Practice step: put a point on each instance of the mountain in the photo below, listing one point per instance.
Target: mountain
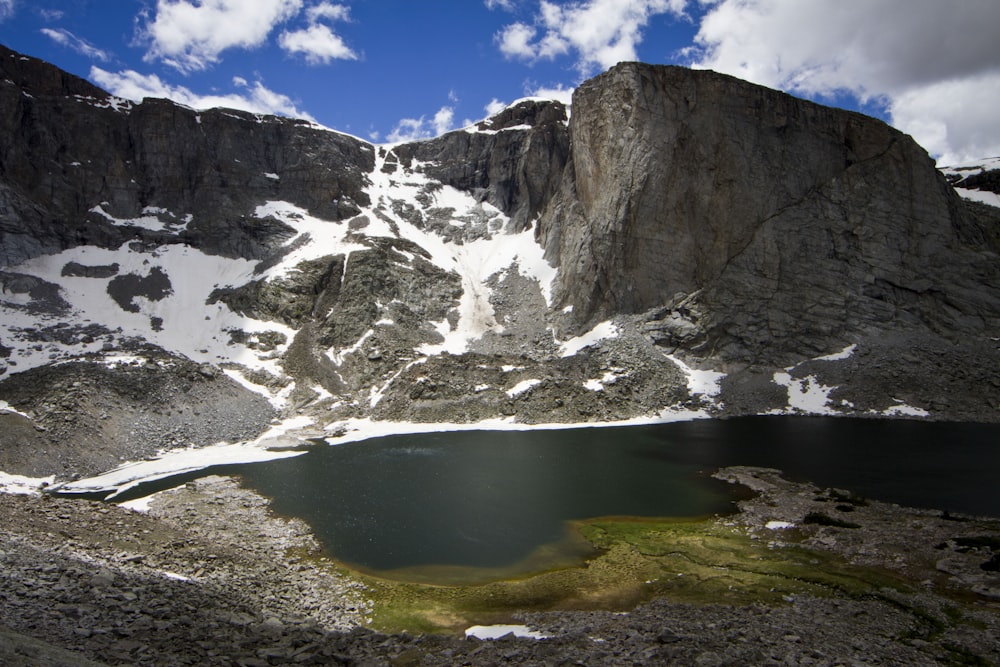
(682, 241)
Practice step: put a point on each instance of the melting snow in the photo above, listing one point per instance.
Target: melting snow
(150, 220)
(778, 525)
(183, 321)
(700, 383)
(597, 334)
(981, 196)
(806, 395)
(177, 461)
(846, 353)
(487, 632)
(903, 410)
(22, 485)
(522, 387)
(7, 407)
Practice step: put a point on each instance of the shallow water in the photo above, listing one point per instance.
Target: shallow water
(425, 506)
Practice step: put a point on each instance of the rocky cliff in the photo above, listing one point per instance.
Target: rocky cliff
(681, 242)
(787, 225)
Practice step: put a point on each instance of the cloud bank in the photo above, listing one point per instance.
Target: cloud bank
(597, 33)
(934, 66)
(255, 98)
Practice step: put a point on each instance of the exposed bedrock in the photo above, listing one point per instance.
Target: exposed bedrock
(789, 226)
(69, 145)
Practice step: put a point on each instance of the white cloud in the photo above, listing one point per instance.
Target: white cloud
(515, 41)
(559, 93)
(494, 107)
(255, 98)
(415, 129)
(506, 5)
(328, 11)
(318, 43)
(601, 33)
(71, 41)
(955, 119)
(6, 9)
(189, 36)
(935, 65)
(443, 120)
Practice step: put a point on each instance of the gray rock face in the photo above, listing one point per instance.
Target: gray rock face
(69, 144)
(517, 171)
(705, 222)
(787, 223)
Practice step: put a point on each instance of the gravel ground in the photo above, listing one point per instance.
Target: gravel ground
(208, 576)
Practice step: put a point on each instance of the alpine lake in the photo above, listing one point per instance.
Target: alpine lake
(448, 527)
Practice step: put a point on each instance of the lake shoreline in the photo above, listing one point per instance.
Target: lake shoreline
(118, 586)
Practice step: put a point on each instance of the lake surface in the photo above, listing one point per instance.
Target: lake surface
(419, 505)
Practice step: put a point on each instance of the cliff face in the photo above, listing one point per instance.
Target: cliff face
(685, 241)
(74, 160)
(765, 224)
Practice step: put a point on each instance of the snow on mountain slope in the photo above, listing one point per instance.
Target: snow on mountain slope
(978, 182)
(164, 295)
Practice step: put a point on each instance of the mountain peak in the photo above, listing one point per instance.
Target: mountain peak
(523, 113)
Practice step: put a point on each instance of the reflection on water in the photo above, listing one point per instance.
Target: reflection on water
(468, 505)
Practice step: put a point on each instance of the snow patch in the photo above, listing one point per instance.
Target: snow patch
(24, 486)
(603, 330)
(903, 410)
(149, 220)
(981, 196)
(610, 377)
(705, 384)
(522, 387)
(779, 525)
(806, 395)
(338, 356)
(6, 407)
(130, 475)
(846, 353)
(183, 321)
(488, 632)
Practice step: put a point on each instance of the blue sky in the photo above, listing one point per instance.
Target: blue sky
(401, 69)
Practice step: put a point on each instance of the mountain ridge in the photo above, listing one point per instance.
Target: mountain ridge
(682, 243)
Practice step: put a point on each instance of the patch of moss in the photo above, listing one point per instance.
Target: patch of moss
(695, 561)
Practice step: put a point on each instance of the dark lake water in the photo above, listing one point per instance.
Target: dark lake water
(496, 499)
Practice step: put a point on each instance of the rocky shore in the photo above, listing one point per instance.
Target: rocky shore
(207, 575)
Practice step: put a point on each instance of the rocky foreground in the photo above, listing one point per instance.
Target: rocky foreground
(208, 576)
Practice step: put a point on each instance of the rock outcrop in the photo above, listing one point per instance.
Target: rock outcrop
(80, 166)
(766, 226)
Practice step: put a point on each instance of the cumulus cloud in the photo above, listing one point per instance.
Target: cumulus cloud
(328, 11)
(71, 41)
(415, 129)
(189, 36)
(255, 97)
(559, 93)
(935, 66)
(317, 42)
(600, 33)
(494, 107)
